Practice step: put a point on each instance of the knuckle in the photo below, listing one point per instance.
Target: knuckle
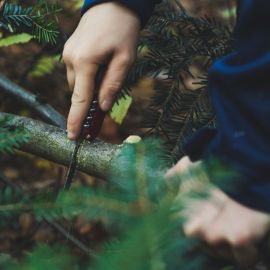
(78, 98)
(67, 55)
(192, 228)
(126, 60)
(240, 239)
(112, 88)
(213, 238)
(79, 59)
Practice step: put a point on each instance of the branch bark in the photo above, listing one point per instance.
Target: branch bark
(44, 110)
(51, 143)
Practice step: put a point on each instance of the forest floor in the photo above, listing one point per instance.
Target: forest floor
(33, 174)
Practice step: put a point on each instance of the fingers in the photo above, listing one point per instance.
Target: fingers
(180, 167)
(113, 80)
(222, 222)
(81, 78)
(70, 77)
(200, 221)
(238, 241)
(236, 247)
(80, 102)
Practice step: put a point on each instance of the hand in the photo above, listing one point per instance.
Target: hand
(233, 230)
(107, 34)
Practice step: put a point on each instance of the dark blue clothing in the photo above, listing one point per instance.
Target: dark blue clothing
(143, 8)
(239, 85)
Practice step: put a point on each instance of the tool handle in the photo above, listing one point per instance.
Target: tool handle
(95, 117)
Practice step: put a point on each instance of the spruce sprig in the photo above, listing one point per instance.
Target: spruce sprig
(173, 45)
(40, 20)
(10, 137)
(141, 208)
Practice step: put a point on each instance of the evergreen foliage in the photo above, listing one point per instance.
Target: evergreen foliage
(10, 137)
(42, 258)
(9, 196)
(40, 20)
(141, 208)
(172, 46)
(45, 65)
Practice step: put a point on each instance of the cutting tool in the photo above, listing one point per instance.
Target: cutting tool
(90, 129)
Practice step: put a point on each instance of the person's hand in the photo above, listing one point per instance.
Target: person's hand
(107, 34)
(233, 230)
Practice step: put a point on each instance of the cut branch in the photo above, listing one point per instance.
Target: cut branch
(50, 142)
(44, 110)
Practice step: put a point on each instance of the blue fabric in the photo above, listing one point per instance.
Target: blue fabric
(143, 8)
(239, 85)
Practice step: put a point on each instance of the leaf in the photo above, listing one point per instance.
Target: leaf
(77, 4)
(120, 109)
(41, 19)
(227, 13)
(45, 66)
(15, 39)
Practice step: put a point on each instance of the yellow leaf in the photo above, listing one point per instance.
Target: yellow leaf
(15, 39)
(120, 109)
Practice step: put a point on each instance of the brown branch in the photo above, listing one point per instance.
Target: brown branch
(46, 111)
(50, 142)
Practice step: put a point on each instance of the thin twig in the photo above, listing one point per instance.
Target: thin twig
(69, 237)
(44, 110)
(58, 227)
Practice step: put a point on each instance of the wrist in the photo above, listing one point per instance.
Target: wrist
(117, 8)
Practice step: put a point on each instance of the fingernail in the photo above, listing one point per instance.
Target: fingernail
(106, 105)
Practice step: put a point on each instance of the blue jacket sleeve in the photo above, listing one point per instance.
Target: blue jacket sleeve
(143, 8)
(239, 85)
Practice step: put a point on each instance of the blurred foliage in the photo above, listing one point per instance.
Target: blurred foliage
(15, 39)
(10, 137)
(45, 65)
(40, 20)
(140, 209)
(42, 258)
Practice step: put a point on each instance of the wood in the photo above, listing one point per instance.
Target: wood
(51, 143)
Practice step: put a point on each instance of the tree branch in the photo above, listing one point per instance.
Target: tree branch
(44, 110)
(51, 143)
